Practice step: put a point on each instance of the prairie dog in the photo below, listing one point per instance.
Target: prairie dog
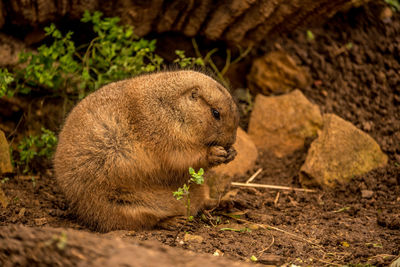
(126, 147)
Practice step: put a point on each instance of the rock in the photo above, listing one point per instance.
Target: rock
(340, 152)
(40, 221)
(276, 72)
(193, 238)
(281, 124)
(245, 160)
(367, 193)
(5, 159)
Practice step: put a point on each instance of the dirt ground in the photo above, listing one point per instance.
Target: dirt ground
(353, 224)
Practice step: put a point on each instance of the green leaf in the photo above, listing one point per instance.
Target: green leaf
(200, 172)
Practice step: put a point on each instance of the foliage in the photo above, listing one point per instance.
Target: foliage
(187, 62)
(48, 69)
(62, 68)
(35, 148)
(5, 79)
(116, 53)
(196, 178)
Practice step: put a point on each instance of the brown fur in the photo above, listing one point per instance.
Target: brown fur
(125, 148)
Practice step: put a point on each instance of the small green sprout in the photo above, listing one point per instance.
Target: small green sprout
(310, 35)
(342, 209)
(184, 191)
(349, 45)
(33, 181)
(59, 240)
(253, 258)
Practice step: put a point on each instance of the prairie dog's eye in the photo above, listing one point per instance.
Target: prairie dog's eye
(215, 113)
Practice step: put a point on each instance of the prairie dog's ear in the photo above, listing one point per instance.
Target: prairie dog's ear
(194, 93)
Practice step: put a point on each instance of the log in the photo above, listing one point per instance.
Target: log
(243, 22)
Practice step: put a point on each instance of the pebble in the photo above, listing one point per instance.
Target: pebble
(367, 193)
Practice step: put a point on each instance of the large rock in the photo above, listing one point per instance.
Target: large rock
(340, 152)
(281, 124)
(276, 72)
(245, 160)
(5, 160)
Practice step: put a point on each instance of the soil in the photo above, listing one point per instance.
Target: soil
(353, 224)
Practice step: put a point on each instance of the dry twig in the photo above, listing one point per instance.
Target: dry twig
(273, 187)
(254, 176)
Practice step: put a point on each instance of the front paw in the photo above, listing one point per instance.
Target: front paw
(231, 155)
(216, 155)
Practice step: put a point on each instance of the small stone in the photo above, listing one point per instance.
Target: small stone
(193, 238)
(5, 159)
(367, 125)
(218, 253)
(276, 72)
(340, 152)
(281, 124)
(40, 221)
(367, 194)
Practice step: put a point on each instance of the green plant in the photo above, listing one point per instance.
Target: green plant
(310, 35)
(5, 79)
(36, 147)
(187, 62)
(64, 69)
(196, 178)
(116, 53)
(59, 240)
(51, 68)
(4, 180)
(253, 258)
(33, 181)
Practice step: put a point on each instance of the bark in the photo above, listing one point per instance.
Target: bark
(244, 22)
